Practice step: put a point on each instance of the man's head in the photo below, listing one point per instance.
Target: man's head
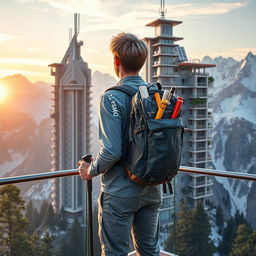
(129, 53)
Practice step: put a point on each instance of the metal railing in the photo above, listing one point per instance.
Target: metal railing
(65, 173)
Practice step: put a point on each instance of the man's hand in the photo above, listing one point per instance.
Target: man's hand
(84, 169)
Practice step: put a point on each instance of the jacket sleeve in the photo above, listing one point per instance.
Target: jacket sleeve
(109, 134)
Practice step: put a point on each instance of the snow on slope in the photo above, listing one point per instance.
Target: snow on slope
(40, 191)
(224, 73)
(248, 66)
(235, 106)
(7, 166)
(235, 124)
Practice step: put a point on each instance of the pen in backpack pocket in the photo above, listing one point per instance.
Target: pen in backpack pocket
(177, 107)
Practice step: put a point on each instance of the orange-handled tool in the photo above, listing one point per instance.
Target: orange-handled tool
(158, 99)
(161, 109)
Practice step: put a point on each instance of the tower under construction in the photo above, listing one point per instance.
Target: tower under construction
(168, 64)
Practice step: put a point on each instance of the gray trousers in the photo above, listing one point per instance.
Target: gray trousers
(119, 217)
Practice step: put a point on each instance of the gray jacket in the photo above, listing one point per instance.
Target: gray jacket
(114, 115)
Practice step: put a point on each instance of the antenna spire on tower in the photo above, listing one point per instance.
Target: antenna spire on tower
(162, 9)
(76, 23)
(70, 34)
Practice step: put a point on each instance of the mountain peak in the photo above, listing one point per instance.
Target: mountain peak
(250, 57)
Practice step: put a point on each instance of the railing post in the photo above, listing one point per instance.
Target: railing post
(89, 220)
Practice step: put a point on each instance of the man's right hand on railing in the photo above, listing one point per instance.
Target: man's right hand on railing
(84, 170)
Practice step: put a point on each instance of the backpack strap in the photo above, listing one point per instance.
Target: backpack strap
(128, 91)
(125, 89)
(169, 184)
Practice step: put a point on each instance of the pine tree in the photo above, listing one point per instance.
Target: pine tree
(33, 216)
(228, 237)
(219, 219)
(61, 221)
(50, 218)
(46, 246)
(43, 212)
(230, 233)
(170, 242)
(74, 242)
(14, 239)
(183, 236)
(252, 244)
(241, 242)
(201, 227)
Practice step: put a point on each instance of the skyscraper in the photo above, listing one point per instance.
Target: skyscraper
(71, 124)
(168, 64)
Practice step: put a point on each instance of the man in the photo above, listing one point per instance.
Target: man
(124, 206)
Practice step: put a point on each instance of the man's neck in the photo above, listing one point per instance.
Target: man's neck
(123, 75)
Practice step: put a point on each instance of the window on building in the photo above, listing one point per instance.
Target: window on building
(166, 202)
(165, 216)
(166, 49)
(166, 29)
(166, 41)
(201, 92)
(167, 70)
(201, 165)
(201, 124)
(166, 81)
(201, 113)
(166, 60)
(201, 81)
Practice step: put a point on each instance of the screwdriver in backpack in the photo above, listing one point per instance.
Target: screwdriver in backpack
(165, 101)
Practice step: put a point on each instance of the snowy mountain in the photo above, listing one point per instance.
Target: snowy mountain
(234, 135)
(24, 128)
(26, 97)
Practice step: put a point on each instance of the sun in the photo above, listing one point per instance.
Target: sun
(3, 92)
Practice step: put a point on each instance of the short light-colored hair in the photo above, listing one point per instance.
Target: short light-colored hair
(131, 51)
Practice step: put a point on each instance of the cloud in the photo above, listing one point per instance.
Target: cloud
(135, 19)
(8, 72)
(194, 10)
(91, 50)
(6, 37)
(93, 8)
(97, 10)
(98, 66)
(26, 61)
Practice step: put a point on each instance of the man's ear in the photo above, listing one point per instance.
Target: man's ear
(117, 60)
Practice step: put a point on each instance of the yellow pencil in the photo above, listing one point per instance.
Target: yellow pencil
(161, 110)
(158, 99)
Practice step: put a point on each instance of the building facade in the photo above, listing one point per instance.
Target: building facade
(167, 63)
(193, 85)
(71, 124)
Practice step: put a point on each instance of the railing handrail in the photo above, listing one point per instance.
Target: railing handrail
(72, 172)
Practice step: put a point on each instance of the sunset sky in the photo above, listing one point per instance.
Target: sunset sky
(34, 33)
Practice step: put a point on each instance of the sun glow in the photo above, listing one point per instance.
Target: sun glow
(3, 92)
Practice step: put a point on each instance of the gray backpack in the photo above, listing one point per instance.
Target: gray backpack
(153, 153)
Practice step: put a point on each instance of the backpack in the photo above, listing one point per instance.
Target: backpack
(153, 153)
